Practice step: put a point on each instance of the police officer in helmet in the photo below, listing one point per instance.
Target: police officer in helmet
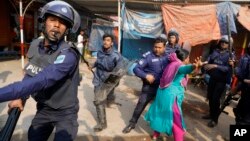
(219, 68)
(51, 77)
(242, 112)
(173, 39)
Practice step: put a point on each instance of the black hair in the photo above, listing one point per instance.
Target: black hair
(182, 54)
(160, 40)
(82, 30)
(107, 35)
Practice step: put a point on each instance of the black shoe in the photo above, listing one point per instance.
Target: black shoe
(211, 124)
(206, 117)
(100, 127)
(128, 128)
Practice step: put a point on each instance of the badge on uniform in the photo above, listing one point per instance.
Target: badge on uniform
(59, 59)
(141, 62)
(155, 60)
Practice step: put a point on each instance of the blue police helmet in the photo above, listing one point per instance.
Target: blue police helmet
(224, 38)
(173, 32)
(163, 36)
(62, 10)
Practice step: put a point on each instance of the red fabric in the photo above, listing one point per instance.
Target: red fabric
(244, 17)
(196, 24)
(156, 134)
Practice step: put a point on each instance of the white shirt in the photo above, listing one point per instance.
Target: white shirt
(79, 40)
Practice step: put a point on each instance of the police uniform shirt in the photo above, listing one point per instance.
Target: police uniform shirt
(64, 65)
(242, 69)
(170, 49)
(221, 60)
(151, 64)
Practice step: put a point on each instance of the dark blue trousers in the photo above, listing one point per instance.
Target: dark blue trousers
(46, 119)
(242, 112)
(147, 94)
(215, 90)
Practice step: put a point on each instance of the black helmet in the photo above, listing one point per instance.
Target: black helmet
(173, 32)
(62, 10)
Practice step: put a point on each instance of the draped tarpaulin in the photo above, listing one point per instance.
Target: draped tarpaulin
(244, 17)
(142, 24)
(139, 31)
(196, 24)
(224, 9)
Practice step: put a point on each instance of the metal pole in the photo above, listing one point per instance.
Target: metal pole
(119, 26)
(229, 35)
(21, 27)
(21, 32)
(27, 6)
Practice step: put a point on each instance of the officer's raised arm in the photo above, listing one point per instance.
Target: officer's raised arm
(52, 76)
(63, 66)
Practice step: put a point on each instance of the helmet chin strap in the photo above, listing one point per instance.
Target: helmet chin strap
(224, 49)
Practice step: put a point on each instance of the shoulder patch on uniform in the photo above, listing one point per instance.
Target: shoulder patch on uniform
(141, 62)
(59, 59)
(116, 51)
(65, 49)
(146, 54)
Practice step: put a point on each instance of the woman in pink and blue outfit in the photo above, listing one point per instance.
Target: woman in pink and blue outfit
(165, 113)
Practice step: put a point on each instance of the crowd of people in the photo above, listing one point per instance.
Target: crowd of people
(52, 79)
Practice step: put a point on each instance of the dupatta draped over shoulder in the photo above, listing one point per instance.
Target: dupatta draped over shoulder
(170, 72)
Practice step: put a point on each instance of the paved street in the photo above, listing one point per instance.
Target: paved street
(118, 116)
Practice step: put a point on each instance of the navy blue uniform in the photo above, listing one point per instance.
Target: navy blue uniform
(105, 65)
(242, 112)
(218, 80)
(43, 80)
(149, 64)
(241, 70)
(170, 49)
(109, 68)
(47, 79)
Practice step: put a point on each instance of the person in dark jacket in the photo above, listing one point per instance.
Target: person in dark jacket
(52, 77)
(149, 69)
(109, 70)
(173, 40)
(242, 112)
(219, 68)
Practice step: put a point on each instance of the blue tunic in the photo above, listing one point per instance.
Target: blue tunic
(160, 113)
